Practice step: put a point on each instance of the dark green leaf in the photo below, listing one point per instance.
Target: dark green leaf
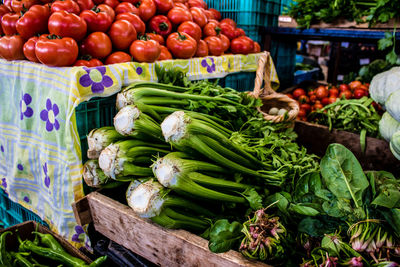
(303, 210)
(254, 199)
(392, 57)
(224, 236)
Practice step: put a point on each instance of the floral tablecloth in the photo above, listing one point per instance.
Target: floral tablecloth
(40, 152)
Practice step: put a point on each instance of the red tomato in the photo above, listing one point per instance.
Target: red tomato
(34, 21)
(56, 51)
(363, 87)
(359, 93)
(214, 45)
(4, 10)
(229, 31)
(94, 62)
(96, 20)
(19, 5)
(181, 5)
(29, 49)
(229, 21)
(325, 101)
(202, 49)
(343, 87)
(109, 10)
(197, 3)
(226, 43)
(161, 25)
(354, 84)
(139, 25)
(85, 4)
(303, 99)
(67, 5)
(346, 94)
(9, 23)
(289, 95)
(242, 45)
(182, 45)
(97, 45)
(145, 50)
(165, 54)
(211, 29)
(216, 14)
(67, 24)
(318, 106)
(11, 47)
(305, 107)
(192, 29)
(332, 99)
(198, 16)
(122, 34)
(321, 92)
(333, 92)
(97, 2)
(126, 7)
(311, 92)
(257, 48)
(111, 3)
(210, 15)
(147, 9)
(118, 57)
(179, 15)
(163, 6)
(302, 113)
(313, 98)
(240, 32)
(156, 37)
(298, 92)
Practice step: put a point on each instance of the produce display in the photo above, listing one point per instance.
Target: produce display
(91, 33)
(44, 250)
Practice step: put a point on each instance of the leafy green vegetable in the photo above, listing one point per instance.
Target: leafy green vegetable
(224, 236)
(254, 199)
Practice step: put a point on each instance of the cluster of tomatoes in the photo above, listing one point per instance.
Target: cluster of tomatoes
(110, 31)
(317, 98)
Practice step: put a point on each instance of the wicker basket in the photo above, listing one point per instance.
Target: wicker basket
(269, 97)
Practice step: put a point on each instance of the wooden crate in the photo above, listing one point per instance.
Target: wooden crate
(162, 246)
(25, 230)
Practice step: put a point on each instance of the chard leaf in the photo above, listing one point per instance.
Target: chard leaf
(224, 236)
(254, 199)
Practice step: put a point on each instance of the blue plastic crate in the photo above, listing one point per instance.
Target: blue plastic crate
(283, 54)
(13, 213)
(285, 5)
(303, 75)
(243, 81)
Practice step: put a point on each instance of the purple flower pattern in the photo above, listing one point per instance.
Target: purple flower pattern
(78, 232)
(26, 199)
(20, 167)
(210, 67)
(96, 79)
(2, 148)
(3, 182)
(139, 70)
(25, 110)
(46, 176)
(49, 115)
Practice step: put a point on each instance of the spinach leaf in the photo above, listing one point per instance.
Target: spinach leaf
(343, 175)
(385, 188)
(303, 209)
(282, 201)
(254, 199)
(224, 236)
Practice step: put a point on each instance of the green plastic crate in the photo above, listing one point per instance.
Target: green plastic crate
(13, 213)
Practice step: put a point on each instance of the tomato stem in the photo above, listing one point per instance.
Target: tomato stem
(163, 26)
(181, 37)
(218, 30)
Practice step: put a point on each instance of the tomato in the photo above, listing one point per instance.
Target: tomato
(239, 32)
(226, 43)
(332, 99)
(354, 84)
(229, 21)
(161, 25)
(198, 16)
(139, 25)
(311, 92)
(303, 99)
(109, 10)
(313, 98)
(242, 45)
(11, 47)
(67, 5)
(182, 45)
(289, 95)
(363, 87)
(298, 92)
(179, 15)
(359, 93)
(345, 94)
(211, 29)
(19, 5)
(302, 113)
(376, 106)
(333, 92)
(118, 57)
(98, 2)
(156, 37)
(343, 87)
(181, 5)
(29, 49)
(111, 3)
(214, 45)
(97, 45)
(67, 24)
(192, 29)
(202, 49)
(147, 9)
(257, 48)
(163, 6)
(210, 15)
(4, 10)
(317, 106)
(165, 54)
(56, 51)
(197, 3)
(122, 33)
(126, 7)
(34, 21)
(229, 31)
(321, 92)
(216, 14)
(9, 23)
(305, 107)
(93, 62)
(96, 20)
(325, 101)
(145, 50)
(85, 4)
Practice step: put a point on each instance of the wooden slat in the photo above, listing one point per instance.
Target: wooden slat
(82, 211)
(163, 247)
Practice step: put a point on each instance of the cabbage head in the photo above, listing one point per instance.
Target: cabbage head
(388, 126)
(395, 144)
(393, 105)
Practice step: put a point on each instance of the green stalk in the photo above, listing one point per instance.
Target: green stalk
(163, 101)
(157, 86)
(183, 203)
(212, 182)
(167, 222)
(182, 217)
(100, 138)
